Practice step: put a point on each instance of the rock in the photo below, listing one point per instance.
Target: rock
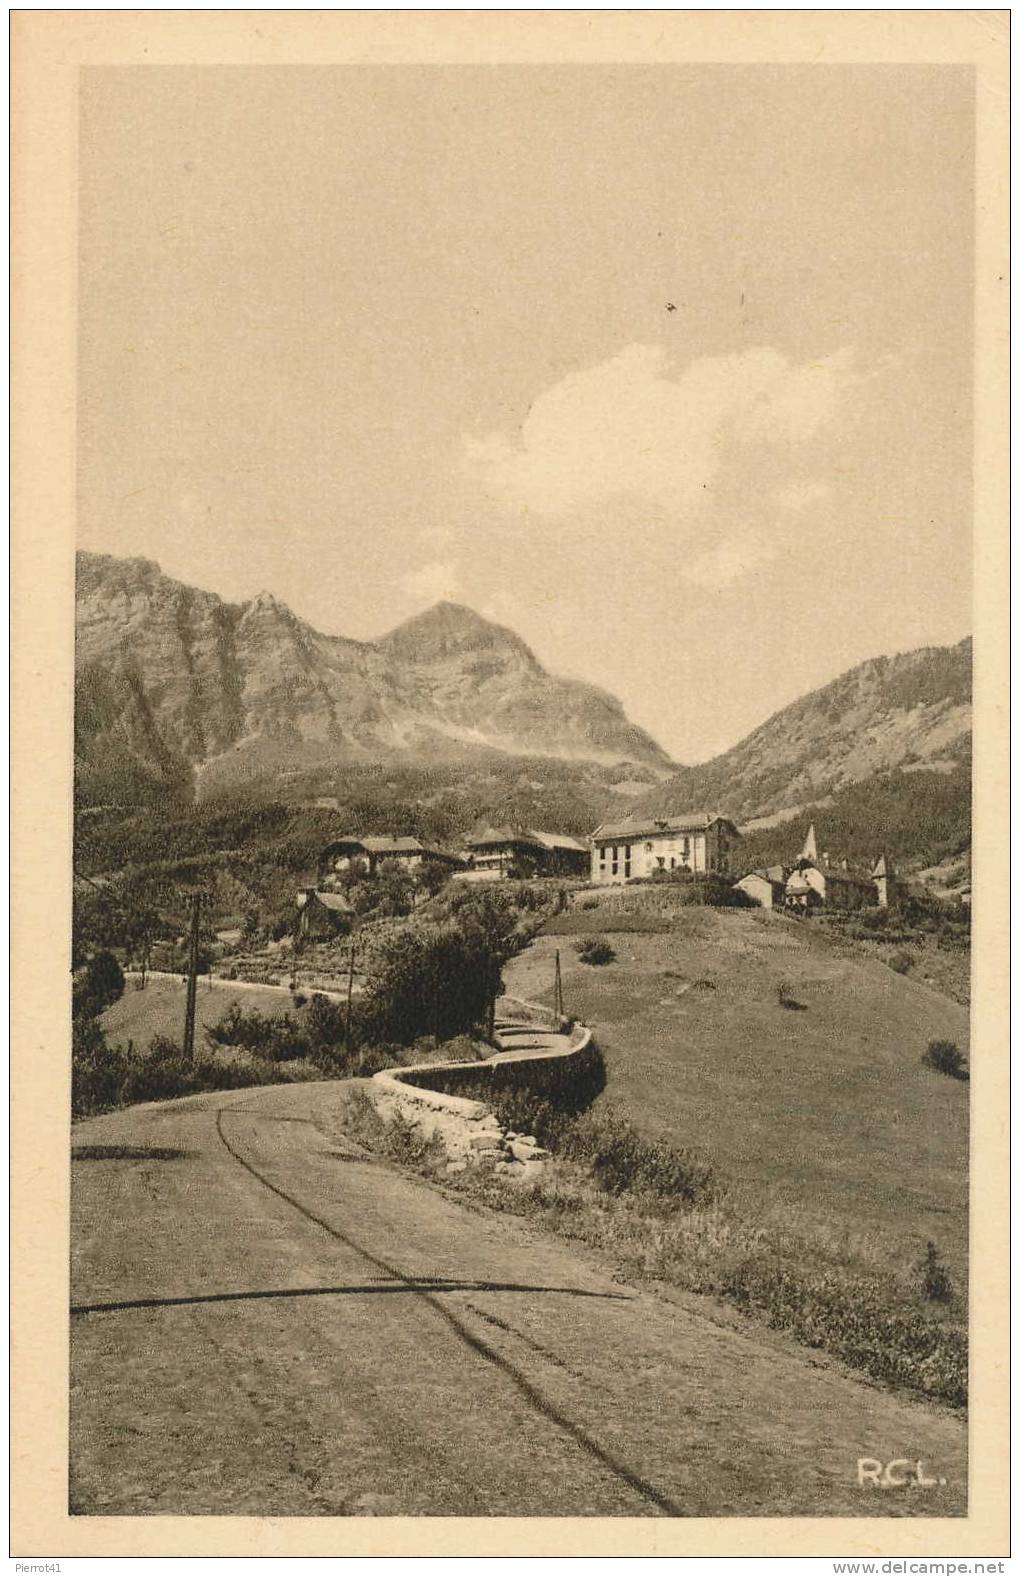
(528, 1150)
(486, 1141)
(521, 1171)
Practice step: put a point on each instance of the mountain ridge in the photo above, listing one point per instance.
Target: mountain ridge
(177, 684)
(905, 712)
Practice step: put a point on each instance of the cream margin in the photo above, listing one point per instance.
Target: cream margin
(48, 48)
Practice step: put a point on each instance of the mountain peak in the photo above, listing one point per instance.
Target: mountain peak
(447, 628)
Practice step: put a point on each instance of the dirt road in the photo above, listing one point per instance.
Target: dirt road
(264, 1321)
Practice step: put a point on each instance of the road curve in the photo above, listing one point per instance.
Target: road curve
(265, 1321)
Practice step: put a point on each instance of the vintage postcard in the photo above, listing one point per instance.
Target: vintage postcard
(510, 627)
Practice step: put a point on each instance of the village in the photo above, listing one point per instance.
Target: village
(653, 849)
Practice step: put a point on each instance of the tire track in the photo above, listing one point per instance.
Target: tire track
(531, 1394)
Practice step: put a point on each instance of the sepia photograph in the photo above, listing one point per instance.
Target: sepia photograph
(519, 1035)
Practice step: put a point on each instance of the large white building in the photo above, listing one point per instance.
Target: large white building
(700, 842)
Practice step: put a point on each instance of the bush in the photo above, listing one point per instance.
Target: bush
(936, 1282)
(97, 1069)
(277, 1038)
(851, 1318)
(100, 984)
(901, 962)
(945, 1056)
(165, 1074)
(595, 950)
(621, 1161)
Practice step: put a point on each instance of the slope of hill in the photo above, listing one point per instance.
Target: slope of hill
(824, 1115)
(910, 712)
(175, 685)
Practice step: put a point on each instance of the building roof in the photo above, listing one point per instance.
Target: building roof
(764, 876)
(333, 901)
(662, 826)
(384, 846)
(559, 840)
(511, 835)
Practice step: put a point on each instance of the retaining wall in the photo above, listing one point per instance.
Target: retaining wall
(426, 1096)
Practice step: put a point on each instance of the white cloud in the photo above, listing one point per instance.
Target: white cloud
(801, 495)
(633, 427)
(733, 557)
(435, 582)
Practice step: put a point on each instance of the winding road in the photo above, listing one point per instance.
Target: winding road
(266, 1320)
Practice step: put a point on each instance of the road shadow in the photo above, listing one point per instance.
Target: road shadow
(424, 1286)
(128, 1152)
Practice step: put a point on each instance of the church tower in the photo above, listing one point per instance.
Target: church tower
(809, 852)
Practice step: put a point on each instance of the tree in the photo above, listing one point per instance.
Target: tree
(100, 984)
(430, 878)
(437, 978)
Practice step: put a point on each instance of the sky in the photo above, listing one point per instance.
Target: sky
(667, 368)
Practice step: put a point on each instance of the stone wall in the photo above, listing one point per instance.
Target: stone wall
(427, 1096)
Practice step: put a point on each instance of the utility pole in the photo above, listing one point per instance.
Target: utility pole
(490, 1028)
(350, 996)
(189, 1006)
(558, 995)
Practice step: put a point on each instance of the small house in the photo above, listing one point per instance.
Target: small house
(371, 850)
(767, 888)
(322, 915)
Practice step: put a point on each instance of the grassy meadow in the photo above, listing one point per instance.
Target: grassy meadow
(792, 1064)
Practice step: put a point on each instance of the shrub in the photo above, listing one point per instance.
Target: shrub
(851, 1318)
(788, 1000)
(621, 1161)
(936, 1282)
(165, 1074)
(97, 1068)
(100, 984)
(595, 950)
(945, 1056)
(901, 961)
(277, 1038)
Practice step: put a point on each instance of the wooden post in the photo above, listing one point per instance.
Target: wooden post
(490, 1028)
(558, 996)
(350, 996)
(189, 1005)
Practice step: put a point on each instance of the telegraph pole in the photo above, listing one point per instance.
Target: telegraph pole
(558, 996)
(350, 996)
(189, 1006)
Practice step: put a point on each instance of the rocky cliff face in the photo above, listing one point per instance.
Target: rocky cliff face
(911, 712)
(174, 683)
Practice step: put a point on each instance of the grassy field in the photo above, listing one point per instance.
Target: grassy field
(819, 1111)
(159, 1009)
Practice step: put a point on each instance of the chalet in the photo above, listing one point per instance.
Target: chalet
(322, 915)
(767, 888)
(699, 842)
(371, 851)
(504, 851)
